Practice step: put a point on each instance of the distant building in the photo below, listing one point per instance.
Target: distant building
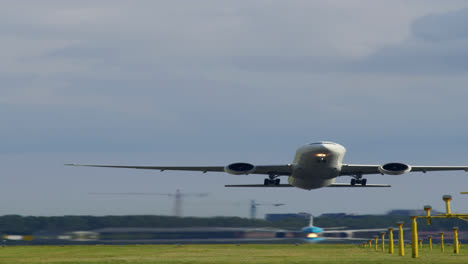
(409, 212)
(279, 217)
(339, 215)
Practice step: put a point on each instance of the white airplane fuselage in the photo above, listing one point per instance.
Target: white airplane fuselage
(317, 165)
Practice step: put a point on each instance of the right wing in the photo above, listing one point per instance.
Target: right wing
(354, 169)
(261, 169)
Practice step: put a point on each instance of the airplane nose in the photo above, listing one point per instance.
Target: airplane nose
(324, 148)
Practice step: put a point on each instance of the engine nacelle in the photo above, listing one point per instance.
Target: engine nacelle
(394, 168)
(239, 168)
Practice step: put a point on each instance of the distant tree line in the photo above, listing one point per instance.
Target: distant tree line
(25, 225)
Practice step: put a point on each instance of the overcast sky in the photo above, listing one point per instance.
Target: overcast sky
(214, 82)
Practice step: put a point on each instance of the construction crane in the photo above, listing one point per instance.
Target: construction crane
(253, 207)
(178, 197)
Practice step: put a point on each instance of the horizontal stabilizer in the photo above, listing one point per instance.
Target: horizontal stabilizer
(260, 185)
(332, 185)
(358, 185)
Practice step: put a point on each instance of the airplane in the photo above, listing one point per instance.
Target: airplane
(314, 234)
(316, 165)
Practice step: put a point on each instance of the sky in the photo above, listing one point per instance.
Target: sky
(214, 82)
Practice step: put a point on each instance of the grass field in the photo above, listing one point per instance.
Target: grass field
(304, 253)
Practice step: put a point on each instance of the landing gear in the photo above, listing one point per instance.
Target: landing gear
(358, 180)
(271, 180)
(363, 182)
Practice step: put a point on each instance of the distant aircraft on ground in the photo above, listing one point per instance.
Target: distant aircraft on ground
(315, 165)
(314, 234)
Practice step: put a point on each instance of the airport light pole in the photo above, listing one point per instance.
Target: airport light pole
(390, 240)
(442, 242)
(448, 214)
(401, 241)
(383, 241)
(430, 242)
(456, 248)
(414, 237)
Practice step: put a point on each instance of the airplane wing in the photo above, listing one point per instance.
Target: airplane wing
(331, 185)
(356, 230)
(351, 169)
(261, 169)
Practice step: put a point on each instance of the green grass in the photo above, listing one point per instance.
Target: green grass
(304, 253)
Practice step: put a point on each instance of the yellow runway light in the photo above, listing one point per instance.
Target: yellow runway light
(430, 242)
(414, 237)
(390, 240)
(383, 241)
(442, 242)
(456, 248)
(401, 242)
(447, 199)
(428, 209)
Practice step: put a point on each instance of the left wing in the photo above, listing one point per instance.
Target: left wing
(351, 169)
(261, 169)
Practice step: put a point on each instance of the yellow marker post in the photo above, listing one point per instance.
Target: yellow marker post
(376, 243)
(442, 242)
(401, 242)
(390, 240)
(420, 243)
(414, 237)
(428, 209)
(383, 241)
(369, 242)
(447, 198)
(456, 248)
(430, 242)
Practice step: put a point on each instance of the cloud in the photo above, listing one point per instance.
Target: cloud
(438, 44)
(448, 26)
(213, 71)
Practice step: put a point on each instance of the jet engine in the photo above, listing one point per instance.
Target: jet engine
(394, 168)
(239, 168)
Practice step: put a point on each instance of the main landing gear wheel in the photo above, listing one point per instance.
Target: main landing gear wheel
(363, 182)
(271, 182)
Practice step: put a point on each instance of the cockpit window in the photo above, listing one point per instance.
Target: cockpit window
(322, 143)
